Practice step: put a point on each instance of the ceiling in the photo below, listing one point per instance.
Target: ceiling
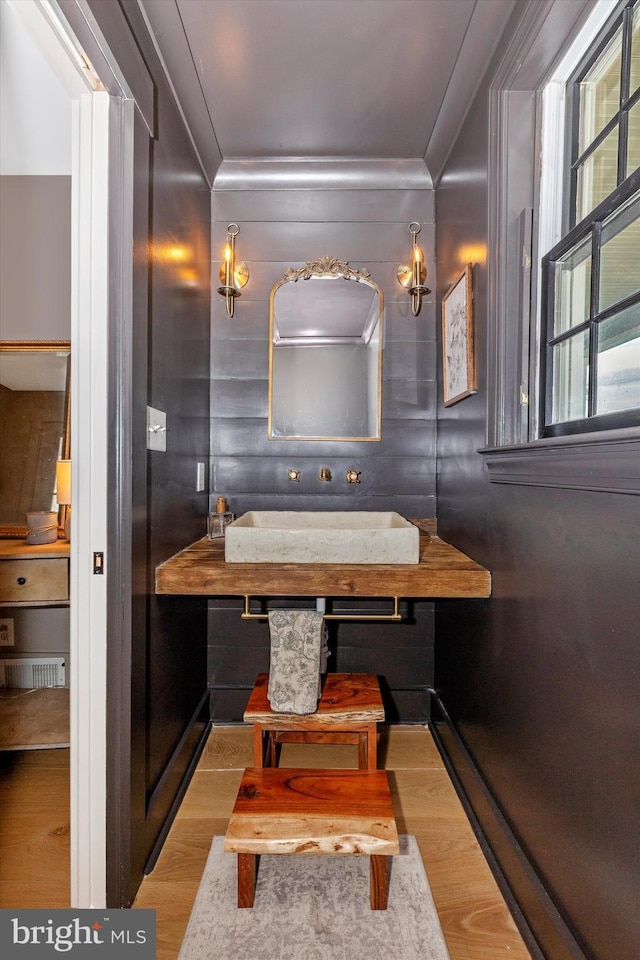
(363, 80)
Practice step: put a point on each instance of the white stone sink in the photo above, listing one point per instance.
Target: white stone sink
(290, 536)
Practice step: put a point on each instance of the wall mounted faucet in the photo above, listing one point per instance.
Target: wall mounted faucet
(325, 474)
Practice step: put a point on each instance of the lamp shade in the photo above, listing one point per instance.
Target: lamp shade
(63, 482)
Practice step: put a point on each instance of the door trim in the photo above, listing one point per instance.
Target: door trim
(89, 436)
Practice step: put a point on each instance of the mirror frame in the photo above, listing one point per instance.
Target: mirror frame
(331, 267)
(18, 531)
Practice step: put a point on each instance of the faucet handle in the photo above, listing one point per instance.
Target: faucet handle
(353, 476)
(293, 475)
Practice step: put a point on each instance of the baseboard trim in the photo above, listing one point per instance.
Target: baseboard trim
(181, 766)
(543, 929)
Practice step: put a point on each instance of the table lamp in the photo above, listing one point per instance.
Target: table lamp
(63, 492)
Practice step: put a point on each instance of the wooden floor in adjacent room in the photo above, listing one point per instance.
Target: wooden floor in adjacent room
(34, 828)
(34, 836)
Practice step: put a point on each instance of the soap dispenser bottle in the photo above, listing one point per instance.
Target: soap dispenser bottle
(218, 522)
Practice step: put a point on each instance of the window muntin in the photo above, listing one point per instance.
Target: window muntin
(597, 175)
(633, 146)
(593, 354)
(571, 378)
(591, 279)
(599, 93)
(572, 274)
(605, 91)
(635, 54)
(618, 362)
(620, 256)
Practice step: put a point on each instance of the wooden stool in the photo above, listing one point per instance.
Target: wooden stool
(331, 812)
(348, 712)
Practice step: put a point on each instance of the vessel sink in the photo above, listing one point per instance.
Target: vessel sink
(289, 536)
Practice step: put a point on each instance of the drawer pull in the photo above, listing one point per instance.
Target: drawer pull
(21, 581)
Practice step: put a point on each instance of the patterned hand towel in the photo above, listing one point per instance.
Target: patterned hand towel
(298, 650)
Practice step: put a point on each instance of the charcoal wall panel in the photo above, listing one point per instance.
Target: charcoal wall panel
(296, 241)
(240, 399)
(416, 507)
(399, 438)
(157, 661)
(324, 205)
(541, 681)
(266, 273)
(280, 229)
(390, 476)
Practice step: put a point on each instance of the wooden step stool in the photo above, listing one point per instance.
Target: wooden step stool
(312, 812)
(348, 712)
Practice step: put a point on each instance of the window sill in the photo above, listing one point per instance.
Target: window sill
(605, 462)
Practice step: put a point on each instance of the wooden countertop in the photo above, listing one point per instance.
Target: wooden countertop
(200, 569)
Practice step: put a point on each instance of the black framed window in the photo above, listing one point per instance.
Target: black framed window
(590, 363)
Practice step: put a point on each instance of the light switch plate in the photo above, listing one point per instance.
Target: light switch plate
(156, 429)
(200, 477)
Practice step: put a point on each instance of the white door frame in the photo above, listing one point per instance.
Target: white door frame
(89, 438)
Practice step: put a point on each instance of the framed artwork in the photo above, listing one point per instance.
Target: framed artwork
(457, 339)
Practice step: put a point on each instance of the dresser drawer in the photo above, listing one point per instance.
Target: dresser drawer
(34, 581)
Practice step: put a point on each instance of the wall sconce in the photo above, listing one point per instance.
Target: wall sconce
(413, 275)
(63, 492)
(233, 273)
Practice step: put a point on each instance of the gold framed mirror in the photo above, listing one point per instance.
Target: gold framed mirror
(325, 354)
(35, 429)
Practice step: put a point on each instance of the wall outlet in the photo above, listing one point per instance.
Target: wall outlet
(7, 638)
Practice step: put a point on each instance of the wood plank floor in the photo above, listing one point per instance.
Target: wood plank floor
(34, 828)
(476, 922)
(34, 836)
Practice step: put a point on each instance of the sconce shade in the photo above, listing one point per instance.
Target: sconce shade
(413, 275)
(233, 273)
(63, 482)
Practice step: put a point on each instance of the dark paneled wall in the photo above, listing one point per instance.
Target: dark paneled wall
(541, 682)
(158, 696)
(278, 229)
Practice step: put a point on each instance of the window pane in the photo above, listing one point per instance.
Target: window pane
(618, 376)
(635, 53)
(620, 255)
(597, 176)
(633, 146)
(572, 288)
(571, 378)
(600, 93)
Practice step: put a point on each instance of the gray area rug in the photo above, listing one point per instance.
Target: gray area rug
(314, 908)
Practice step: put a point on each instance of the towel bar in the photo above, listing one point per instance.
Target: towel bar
(395, 616)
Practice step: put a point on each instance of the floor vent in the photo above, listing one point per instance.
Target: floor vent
(33, 672)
